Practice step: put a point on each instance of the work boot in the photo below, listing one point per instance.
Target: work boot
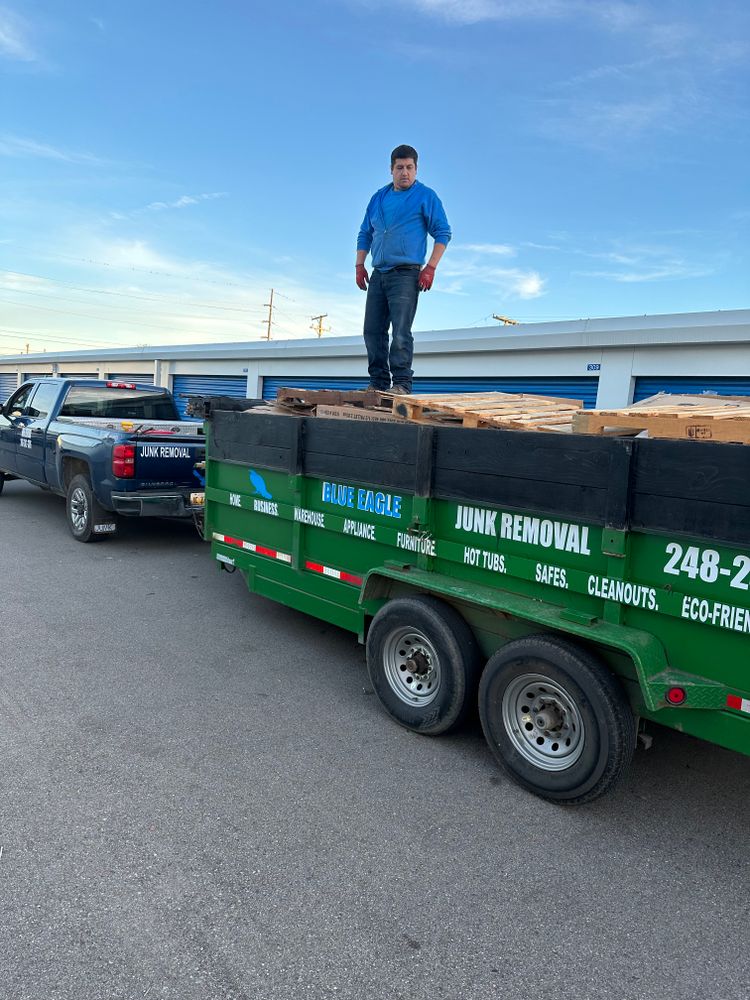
(400, 390)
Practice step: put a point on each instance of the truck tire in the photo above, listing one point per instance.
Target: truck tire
(423, 662)
(556, 720)
(85, 513)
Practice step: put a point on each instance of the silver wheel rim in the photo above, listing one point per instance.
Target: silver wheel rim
(543, 722)
(79, 509)
(411, 667)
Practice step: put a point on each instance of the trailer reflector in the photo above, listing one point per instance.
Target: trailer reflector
(260, 550)
(336, 574)
(741, 704)
(676, 696)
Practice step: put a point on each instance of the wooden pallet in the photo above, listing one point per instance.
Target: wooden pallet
(308, 399)
(688, 418)
(514, 411)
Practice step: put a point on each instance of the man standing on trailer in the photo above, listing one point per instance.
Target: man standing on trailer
(395, 227)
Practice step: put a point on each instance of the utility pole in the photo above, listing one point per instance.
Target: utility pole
(317, 324)
(27, 348)
(505, 320)
(269, 321)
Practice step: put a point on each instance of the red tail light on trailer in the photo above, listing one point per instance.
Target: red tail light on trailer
(123, 461)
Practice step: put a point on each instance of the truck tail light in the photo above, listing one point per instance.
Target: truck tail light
(123, 461)
(120, 385)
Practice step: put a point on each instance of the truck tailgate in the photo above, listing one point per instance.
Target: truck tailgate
(167, 462)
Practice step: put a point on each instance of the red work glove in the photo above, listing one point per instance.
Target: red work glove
(362, 277)
(426, 277)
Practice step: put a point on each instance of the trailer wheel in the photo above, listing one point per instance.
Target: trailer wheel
(86, 517)
(556, 720)
(423, 662)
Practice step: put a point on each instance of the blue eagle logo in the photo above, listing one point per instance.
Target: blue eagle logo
(259, 485)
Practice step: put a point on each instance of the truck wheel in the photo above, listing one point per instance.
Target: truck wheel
(85, 513)
(423, 662)
(556, 720)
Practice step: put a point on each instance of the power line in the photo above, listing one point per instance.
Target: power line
(295, 318)
(65, 298)
(105, 319)
(127, 295)
(129, 267)
(44, 338)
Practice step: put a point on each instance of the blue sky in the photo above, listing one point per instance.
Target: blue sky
(165, 164)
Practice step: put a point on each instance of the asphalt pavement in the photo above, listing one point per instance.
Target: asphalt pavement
(200, 799)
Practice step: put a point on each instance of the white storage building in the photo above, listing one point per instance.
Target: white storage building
(606, 362)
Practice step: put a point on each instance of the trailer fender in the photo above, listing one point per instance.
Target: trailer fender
(644, 649)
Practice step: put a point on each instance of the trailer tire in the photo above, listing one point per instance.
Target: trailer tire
(85, 514)
(423, 662)
(556, 720)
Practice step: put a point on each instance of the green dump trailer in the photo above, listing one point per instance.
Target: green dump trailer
(571, 586)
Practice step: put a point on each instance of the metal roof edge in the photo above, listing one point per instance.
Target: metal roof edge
(728, 326)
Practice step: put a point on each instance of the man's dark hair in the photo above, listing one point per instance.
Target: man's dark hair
(404, 153)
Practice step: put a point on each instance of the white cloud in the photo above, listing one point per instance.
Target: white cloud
(18, 147)
(541, 246)
(596, 123)
(509, 281)
(678, 79)
(671, 271)
(636, 261)
(470, 264)
(13, 281)
(119, 292)
(500, 249)
(162, 206)
(611, 13)
(729, 52)
(14, 43)
(528, 285)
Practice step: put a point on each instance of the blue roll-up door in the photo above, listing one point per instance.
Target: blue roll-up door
(27, 375)
(649, 385)
(130, 377)
(207, 385)
(584, 388)
(8, 383)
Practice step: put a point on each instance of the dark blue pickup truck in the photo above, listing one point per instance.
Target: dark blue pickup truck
(110, 448)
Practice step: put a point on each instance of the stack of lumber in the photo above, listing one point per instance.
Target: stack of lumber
(517, 411)
(513, 411)
(705, 417)
(368, 405)
(692, 418)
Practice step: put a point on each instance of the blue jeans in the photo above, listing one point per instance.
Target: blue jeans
(391, 301)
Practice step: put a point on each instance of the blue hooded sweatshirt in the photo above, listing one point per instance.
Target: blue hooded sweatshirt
(396, 225)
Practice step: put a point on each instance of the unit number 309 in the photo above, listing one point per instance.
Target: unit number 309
(706, 564)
